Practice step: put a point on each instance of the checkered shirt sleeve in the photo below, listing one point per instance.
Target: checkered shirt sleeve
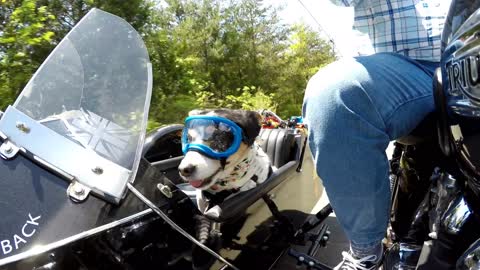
(409, 27)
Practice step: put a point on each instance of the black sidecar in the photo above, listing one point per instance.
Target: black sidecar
(73, 146)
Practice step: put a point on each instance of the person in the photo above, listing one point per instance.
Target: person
(355, 106)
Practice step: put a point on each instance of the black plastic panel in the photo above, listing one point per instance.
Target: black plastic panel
(36, 210)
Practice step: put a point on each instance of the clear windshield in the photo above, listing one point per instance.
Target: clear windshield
(95, 88)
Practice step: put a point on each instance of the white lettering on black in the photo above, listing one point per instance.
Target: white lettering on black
(27, 231)
(6, 247)
(18, 240)
(32, 220)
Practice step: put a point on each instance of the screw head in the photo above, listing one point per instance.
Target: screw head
(301, 258)
(8, 149)
(78, 190)
(97, 170)
(310, 263)
(22, 127)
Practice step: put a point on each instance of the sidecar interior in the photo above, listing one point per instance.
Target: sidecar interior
(283, 146)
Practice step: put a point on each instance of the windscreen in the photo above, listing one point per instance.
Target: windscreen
(95, 88)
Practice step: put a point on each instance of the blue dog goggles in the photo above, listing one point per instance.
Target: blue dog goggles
(214, 136)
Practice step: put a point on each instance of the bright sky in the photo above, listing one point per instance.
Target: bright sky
(335, 21)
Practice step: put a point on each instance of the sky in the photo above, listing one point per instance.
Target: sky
(335, 22)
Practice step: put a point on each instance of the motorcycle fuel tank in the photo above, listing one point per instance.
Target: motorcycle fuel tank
(460, 96)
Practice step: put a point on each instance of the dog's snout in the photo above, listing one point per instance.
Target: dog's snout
(187, 170)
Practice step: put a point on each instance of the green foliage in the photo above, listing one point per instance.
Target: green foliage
(306, 54)
(251, 99)
(233, 54)
(204, 53)
(25, 35)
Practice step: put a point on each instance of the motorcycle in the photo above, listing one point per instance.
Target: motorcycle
(84, 187)
(434, 171)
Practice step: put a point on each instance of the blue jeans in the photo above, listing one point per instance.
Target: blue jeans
(353, 109)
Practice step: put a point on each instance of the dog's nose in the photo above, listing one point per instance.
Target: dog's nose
(187, 170)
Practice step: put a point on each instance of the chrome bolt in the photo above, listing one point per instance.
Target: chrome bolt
(97, 170)
(8, 149)
(325, 238)
(310, 263)
(301, 258)
(22, 127)
(78, 190)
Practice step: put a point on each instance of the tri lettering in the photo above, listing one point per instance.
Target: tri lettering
(463, 74)
(19, 240)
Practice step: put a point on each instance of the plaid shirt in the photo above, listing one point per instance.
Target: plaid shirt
(409, 27)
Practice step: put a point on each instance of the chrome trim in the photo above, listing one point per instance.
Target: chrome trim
(446, 189)
(66, 156)
(8, 150)
(77, 191)
(45, 248)
(458, 212)
(466, 28)
(470, 260)
(461, 60)
(409, 255)
(464, 107)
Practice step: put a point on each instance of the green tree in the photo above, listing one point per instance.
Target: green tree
(307, 53)
(30, 29)
(205, 53)
(24, 42)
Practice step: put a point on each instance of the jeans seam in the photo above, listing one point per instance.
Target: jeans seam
(404, 103)
(380, 236)
(374, 107)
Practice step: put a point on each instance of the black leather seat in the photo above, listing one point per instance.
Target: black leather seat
(279, 144)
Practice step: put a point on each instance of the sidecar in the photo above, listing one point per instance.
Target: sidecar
(259, 219)
(73, 146)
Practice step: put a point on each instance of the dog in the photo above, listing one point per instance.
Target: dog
(228, 173)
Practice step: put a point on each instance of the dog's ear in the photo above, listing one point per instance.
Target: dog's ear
(256, 124)
(249, 121)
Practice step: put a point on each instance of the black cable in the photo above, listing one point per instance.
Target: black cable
(321, 27)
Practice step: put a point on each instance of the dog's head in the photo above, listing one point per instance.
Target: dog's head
(200, 168)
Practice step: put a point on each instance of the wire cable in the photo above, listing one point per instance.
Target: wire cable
(322, 29)
(176, 227)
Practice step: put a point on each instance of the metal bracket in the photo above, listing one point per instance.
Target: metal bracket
(78, 192)
(8, 150)
(165, 190)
